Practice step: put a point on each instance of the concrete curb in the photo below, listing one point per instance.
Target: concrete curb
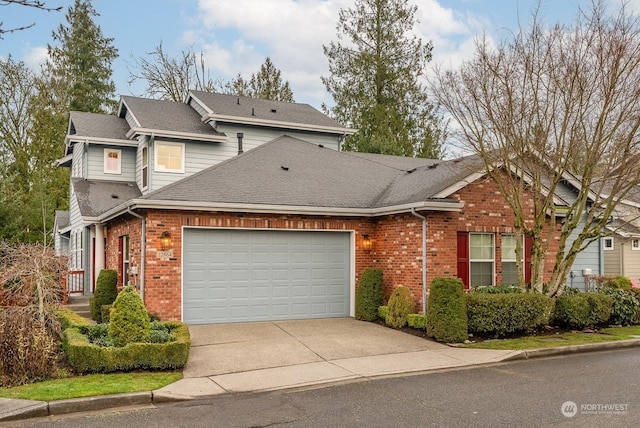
(573, 349)
(11, 410)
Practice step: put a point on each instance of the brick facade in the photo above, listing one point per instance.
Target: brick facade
(396, 242)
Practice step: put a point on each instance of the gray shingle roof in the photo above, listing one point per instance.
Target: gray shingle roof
(98, 125)
(291, 172)
(61, 219)
(254, 108)
(97, 196)
(167, 116)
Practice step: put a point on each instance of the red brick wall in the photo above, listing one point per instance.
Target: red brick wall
(396, 242)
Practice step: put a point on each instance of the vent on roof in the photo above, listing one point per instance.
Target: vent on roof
(285, 168)
(253, 111)
(238, 100)
(411, 170)
(114, 196)
(273, 110)
(320, 145)
(433, 166)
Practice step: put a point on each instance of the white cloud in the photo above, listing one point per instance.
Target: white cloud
(35, 57)
(236, 35)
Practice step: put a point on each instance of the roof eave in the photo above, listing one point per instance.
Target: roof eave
(278, 124)
(178, 135)
(450, 206)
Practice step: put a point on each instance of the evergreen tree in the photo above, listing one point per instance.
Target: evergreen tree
(375, 81)
(265, 84)
(82, 61)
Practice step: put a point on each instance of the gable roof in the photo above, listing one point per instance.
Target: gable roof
(97, 127)
(98, 196)
(61, 221)
(165, 118)
(291, 175)
(280, 114)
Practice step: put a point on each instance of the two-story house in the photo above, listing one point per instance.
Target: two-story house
(149, 144)
(231, 209)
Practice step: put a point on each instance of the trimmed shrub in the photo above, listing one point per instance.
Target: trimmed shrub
(106, 312)
(447, 312)
(68, 318)
(501, 314)
(105, 294)
(621, 282)
(86, 357)
(626, 306)
(27, 347)
(383, 312)
(129, 321)
(401, 304)
(369, 295)
(582, 310)
(418, 321)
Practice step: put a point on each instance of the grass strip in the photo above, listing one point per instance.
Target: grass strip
(564, 339)
(91, 385)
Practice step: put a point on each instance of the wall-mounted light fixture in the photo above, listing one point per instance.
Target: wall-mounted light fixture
(165, 241)
(366, 242)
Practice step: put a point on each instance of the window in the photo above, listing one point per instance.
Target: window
(169, 157)
(509, 266)
(112, 161)
(608, 243)
(635, 244)
(145, 167)
(481, 259)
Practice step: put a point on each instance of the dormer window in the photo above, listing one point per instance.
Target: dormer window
(112, 161)
(169, 157)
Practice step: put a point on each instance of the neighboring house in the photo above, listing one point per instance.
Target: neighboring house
(149, 144)
(621, 246)
(281, 231)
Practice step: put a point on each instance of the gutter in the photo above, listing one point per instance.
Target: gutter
(280, 209)
(424, 259)
(212, 117)
(143, 249)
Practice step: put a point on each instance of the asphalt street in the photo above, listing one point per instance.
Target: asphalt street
(598, 389)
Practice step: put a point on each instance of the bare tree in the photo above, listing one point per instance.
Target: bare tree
(37, 4)
(554, 105)
(171, 78)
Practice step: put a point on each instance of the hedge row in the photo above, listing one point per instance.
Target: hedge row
(582, 310)
(501, 314)
(86, 357)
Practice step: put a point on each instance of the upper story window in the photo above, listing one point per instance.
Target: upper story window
(145, 167)
(608, 243)
(169, 157)
(112, 161)
(635, 244)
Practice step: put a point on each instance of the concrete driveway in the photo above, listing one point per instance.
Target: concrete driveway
(219, 349)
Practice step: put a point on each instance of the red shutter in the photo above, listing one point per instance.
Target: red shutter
(463, 258)
(528, 245)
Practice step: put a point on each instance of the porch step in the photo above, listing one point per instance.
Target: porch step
(79, 305)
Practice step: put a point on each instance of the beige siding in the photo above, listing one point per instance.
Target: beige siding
(631, 262)
(612, 259)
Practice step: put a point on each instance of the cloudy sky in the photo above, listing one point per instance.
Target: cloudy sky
(236, 35)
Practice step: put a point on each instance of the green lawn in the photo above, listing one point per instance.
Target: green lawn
(563, 339)
(91, 385)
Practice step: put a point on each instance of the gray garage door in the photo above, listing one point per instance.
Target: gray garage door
(259, 275)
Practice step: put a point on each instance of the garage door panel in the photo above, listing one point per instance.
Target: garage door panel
(257, 275)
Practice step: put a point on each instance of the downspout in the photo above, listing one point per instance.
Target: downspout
(143, 249)
(424, 259)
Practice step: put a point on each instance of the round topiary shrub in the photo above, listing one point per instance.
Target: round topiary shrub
(401, 304)
(105, 294)
(447, 311)
(129, 321)
(369, 295)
